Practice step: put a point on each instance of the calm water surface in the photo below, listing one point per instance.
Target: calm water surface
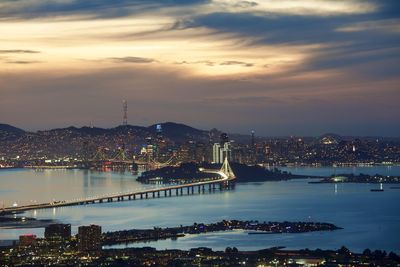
(369, 219)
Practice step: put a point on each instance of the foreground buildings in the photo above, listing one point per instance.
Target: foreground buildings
(85, 249)
(67, 255)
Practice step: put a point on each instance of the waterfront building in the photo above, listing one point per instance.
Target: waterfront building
(58, 231)
(89, 238)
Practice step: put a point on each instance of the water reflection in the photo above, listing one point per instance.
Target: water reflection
(369, 219)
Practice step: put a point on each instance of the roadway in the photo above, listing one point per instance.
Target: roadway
(154, 192)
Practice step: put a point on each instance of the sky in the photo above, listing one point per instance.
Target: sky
(278, 67)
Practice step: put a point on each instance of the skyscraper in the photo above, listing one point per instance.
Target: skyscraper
(216, 153)
(89, 238)
(222, 149)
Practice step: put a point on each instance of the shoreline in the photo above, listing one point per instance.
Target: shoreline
(343, 165)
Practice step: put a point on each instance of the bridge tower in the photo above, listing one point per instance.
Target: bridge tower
(226, 168)
(121, 154)
(100, 154)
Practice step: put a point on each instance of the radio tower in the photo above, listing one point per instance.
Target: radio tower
(125, 109)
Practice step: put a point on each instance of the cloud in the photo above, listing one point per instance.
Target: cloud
(22, 62)
(245, 4)
(18, 51)
(233, 62)
(335, 42)
(214, 63)
(30, 9)
(131, 60)
(202, 62)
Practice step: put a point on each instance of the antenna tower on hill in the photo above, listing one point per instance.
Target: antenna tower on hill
(125, 109)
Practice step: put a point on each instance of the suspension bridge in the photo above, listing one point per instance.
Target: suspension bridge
(224, 182)
(121, 158)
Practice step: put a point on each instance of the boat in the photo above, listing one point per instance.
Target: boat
(377, 190)
(380, 189)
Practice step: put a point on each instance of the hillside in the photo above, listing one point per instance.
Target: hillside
(73, 141)
(8, 132)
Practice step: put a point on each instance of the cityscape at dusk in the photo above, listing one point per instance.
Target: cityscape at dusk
(199, 133)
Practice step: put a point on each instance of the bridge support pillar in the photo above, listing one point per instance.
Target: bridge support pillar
(209, 187)
(199, 188)
(181, 191)
(129, 197)
(192, 190)
(134, 196)
(177, 192)
(165, 193)
(213, 186)
(141, 196)
(154, 194)
(203, 188)
(147, 196)
(188, 192)
(158, 194)
(169, 192)
(101, 201)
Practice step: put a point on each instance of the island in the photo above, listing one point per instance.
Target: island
(190, 172)
(253, 227)
(361, 178)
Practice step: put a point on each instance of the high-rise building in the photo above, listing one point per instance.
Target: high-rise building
(89, 238)
(222, 149)
(57, 231)
(216, 152)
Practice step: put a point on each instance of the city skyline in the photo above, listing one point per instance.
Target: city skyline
(280, 68)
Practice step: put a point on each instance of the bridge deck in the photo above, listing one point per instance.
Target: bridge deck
(92, 200)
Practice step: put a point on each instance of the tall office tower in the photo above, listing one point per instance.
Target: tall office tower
(216, 153)
(89, 238)
(55, 232)
(222, 151)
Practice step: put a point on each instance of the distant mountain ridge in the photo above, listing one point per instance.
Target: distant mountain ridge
(76, 140)
(171, 130)
(10, 129)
